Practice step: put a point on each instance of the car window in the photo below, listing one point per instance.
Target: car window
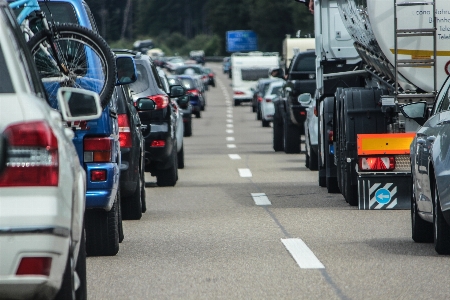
(305, 64)
(443, 98)
(142, 82)
(187, 83)
(62, 12)
(91, 17)
(165, 83)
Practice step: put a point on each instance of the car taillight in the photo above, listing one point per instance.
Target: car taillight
(211, 74)
(161, 101)
(238, 93)
(98, 175)
(194, 92)
(303, 113)
(34, 266)
(268, 100)
(377, 163)
(98, 149)
(158, 143)
(260, 99)
(124, 131)
(32, 156)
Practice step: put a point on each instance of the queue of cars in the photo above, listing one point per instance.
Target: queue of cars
(78, 170)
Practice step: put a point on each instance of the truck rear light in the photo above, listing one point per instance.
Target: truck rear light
(268, 100)
(124, 131)
(98, 175)
(161, 101)
(238, 93)
(34, 266)
(158, 143)
(98, 149)
(194, 92)
(32, 156)
(377, 163)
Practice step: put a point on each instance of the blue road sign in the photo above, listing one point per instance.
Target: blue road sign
(383, 196)
(242, 41)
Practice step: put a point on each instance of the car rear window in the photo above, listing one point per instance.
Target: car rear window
(188, 83)
(254, 74)
(6, 83)
(275, 90)
(62, 12)
(188, 70)
(305, 64)
(142, 82)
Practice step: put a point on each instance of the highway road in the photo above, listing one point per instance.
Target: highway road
(244, 222)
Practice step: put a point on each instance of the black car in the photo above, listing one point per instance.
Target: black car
(158, 120)
(185, 106)
(193, 85)
(132, 179)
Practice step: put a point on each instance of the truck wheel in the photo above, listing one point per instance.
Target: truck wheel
(132, 206)
(322, 177)
(278, 135)
(168, 177)
(102, 231)
(180, 158)
(441, 228)
(291, 137)
(421, 230)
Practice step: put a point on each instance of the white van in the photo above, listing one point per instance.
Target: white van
(246, 69)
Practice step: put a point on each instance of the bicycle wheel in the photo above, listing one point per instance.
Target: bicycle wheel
(79, 58)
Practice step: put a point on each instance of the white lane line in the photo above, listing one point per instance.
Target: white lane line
(230, 139)
(229, 120)
(230, 125)
(234, 156)
(261, 199)
(231, 146)
(229, 116)
(230, 131)
(245, 173)
(304, 257)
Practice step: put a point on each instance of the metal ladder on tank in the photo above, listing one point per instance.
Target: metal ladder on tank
(402, 97)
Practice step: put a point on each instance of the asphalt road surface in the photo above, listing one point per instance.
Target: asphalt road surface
(210, 238)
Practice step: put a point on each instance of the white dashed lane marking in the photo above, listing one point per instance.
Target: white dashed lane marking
(230, 139)
(230, 131)
(230, 125)
(231, 146)
(261, 199)
(302, 255)
(234, 156)
(229, 120)
(245, 173)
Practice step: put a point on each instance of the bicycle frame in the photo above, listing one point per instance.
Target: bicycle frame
(30, 6)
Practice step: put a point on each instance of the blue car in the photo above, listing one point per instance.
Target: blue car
(97, 145)
(194, 88)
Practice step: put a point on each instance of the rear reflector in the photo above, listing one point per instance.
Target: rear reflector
(158, 143)
(98, 175)
(303, 113)
(238, 93)
(98, 149)
(382, 163)
(34, 266)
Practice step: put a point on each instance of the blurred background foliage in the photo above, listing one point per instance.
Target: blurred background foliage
(178, 26)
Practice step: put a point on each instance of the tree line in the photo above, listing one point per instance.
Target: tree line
(174, 22)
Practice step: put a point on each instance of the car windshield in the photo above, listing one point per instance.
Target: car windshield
(189, 70)
(5, 84)
(142, 82)
(176, 60)
(305, 64)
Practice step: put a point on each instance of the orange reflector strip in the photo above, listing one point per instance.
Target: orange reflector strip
(386, 143)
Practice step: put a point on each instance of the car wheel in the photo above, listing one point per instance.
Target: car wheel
(265, 123)
(168, 177)
(188, 129)
(237, 102)
(143, 194)
(258, 113)
(421, 230)
(180, 158)
(441, 228)
(291, 137)
(81, 292)
(120, 224)
(278, 135)
(313, 160)
(198, 114)
(102, 231)
(132, 206)
(253, 108)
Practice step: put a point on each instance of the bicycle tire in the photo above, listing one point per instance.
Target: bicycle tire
(79, 50)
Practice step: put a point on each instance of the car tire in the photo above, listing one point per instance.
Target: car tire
(278, 135)
(180, 158)
(258, 113)
(421, 230)
(132, 206)
(143, 193)
(253, 108)
(168, 177)
(188, 129)
(313, 160)
(102, 231)
(291, 137)
(441, 228)
(120, 224)
(265, 123)
(198, 115)
(237, 102)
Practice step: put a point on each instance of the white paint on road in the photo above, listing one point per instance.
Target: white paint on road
(261, 199)
(230, 139)
(230, 125)
(230, 131)
(234, 156)
(304, 257)
(231, 146)
(229, 120)
(245, 173)
(229, 116)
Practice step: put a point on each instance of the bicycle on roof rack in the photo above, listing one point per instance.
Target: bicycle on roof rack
(66, 54)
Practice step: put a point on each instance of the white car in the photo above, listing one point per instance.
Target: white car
(311, 131)
(42, 188)
(267, 107)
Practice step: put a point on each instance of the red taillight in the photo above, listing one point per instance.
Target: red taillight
(194, 92)
(268, 100)
(377, 163)
(98, 149)
(315, 112)
(33, 156)
(330, 135)
(158, 143)
(98, 175)
(260, 99)
(211, 74)
(34, 266)
(303, 113)
(124, 131)
(238, 93)
(161, 101)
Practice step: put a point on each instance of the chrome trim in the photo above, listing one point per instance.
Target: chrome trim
(57, 231)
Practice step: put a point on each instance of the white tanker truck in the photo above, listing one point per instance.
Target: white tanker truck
(373, 56)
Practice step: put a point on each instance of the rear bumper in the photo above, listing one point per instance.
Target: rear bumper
(101, 194)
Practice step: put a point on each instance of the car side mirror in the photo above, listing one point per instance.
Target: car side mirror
(177, 91)
(3, 152)
(78, 104)
(126, 70)
(145, 104)
(305, 99)
(416, 111)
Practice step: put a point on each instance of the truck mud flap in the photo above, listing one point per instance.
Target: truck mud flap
(384, 191)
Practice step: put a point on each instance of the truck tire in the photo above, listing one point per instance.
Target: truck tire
(102, 231)
(258, 112)
(421, 230)
(168, 177)
(278, 135)
(441, 228)
(291, 137)
(331, 171)
(132, 206)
